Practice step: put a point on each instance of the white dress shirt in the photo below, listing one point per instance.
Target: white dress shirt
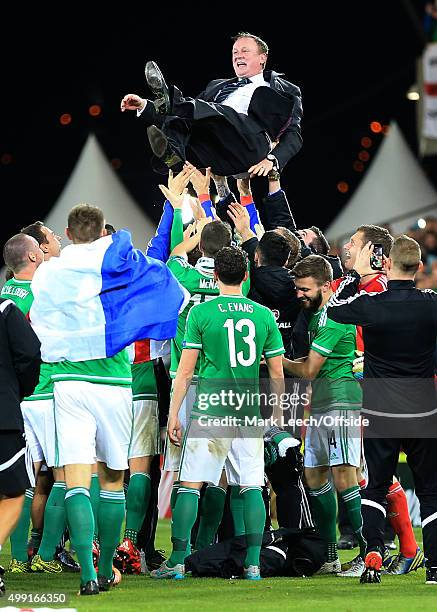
(240, 99)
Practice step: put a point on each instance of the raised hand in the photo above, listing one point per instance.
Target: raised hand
(132, 102)
(262, 168)
(362, 260)
(240, 217)
(189, 231)
(175, 199)
(201, 181)
(177, 184)
(197, 208)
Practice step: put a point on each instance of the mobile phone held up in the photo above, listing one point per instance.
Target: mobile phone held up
(377, 259)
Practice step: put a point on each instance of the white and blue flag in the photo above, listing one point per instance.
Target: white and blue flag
(96, 298)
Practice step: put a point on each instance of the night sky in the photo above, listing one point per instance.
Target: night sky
(354, 63)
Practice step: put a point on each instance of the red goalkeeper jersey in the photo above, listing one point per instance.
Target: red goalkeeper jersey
(377, 284)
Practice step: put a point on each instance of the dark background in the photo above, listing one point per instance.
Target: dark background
(353, 61)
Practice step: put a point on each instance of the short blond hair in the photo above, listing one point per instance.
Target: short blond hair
(405, 254)
(85, 223)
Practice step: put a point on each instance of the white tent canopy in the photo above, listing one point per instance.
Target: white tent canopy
(394, 191)
(93, 181)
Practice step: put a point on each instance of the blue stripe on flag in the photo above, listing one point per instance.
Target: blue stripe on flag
(140, 296)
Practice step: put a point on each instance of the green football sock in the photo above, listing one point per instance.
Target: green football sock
(184, 517)
(35, 539)
(211, 513)
(174, 494)
(80, 521)
(21, 532)
(324, 508)
(54, 522)
(137, 502)
(237, 511)
(95, 500)
(352, 500)
(254, 520)
(173, 498)
(111, 516)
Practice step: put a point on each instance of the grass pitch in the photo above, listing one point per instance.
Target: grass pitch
(138, 593)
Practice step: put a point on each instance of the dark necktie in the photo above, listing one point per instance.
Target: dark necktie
(229, 88)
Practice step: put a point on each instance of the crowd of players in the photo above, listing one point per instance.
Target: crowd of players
(267, 311)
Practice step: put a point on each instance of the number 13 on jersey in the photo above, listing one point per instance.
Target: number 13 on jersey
(241, 326)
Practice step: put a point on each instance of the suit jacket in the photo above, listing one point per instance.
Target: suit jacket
(20, 360)
(290, 141)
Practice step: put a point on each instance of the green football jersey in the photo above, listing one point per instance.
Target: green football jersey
(199, 281)
(20, 292)
(114, 370)
(144, 381)
(335, 387)
(232, 334)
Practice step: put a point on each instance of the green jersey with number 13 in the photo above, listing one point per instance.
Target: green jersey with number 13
(232, 334)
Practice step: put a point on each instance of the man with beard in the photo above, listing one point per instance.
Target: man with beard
(333, 438)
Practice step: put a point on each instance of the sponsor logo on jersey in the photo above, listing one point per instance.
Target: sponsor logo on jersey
(277, 314)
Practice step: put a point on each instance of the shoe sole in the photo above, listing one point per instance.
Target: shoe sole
(159, 88)
(156, 83)
(158, 142)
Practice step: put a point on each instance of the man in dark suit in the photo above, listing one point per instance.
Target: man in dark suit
(233, 125)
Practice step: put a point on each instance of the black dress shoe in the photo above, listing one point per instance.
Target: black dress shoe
(161, 148)
(157, 84)
(89, 588)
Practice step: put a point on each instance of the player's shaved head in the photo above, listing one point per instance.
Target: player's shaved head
(16, 251)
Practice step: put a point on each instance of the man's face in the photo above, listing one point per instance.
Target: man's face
(309, 293)
(307, 235)
(52, 247)
(246, 58)
(350, 249)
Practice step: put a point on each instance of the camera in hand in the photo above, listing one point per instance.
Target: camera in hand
(377, 258)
